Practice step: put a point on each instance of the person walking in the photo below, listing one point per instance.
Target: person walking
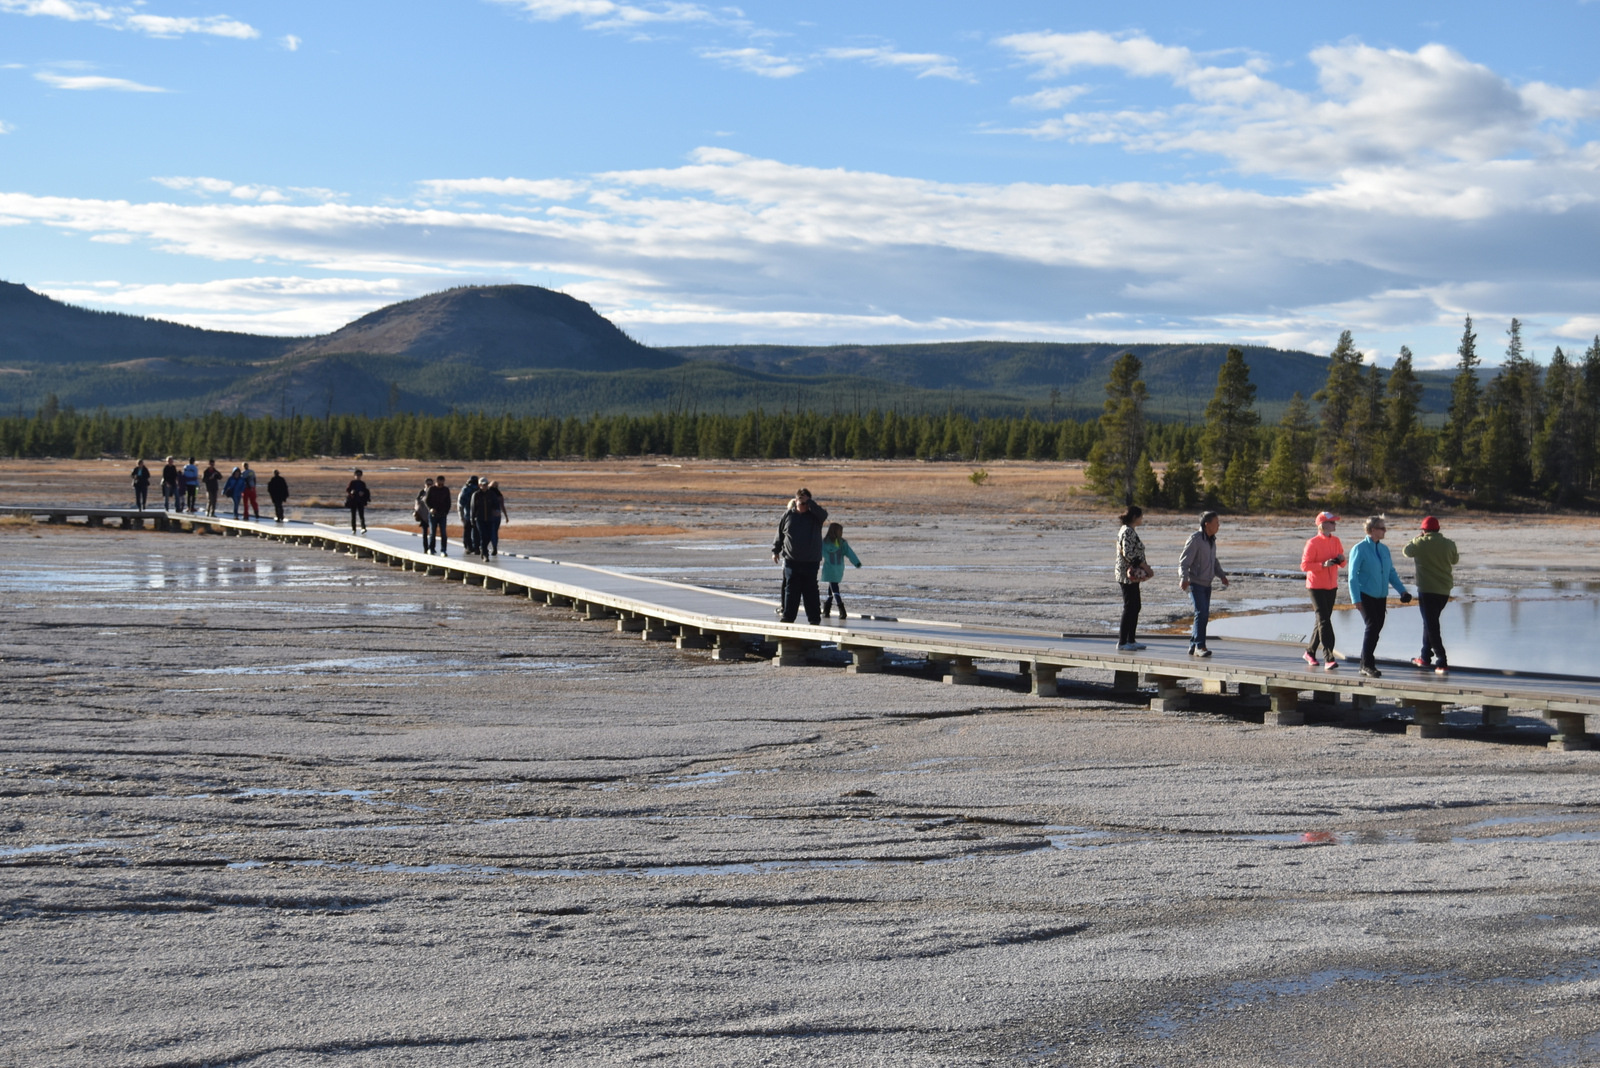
(835, 551)
(234, 489)
(1321, 560)
(420, 514)
(1371, 574)
(141, 486)
(799, 545)
(356, 498)
(169, 485)
(490, 505)
(439, 501)
(1132, 569)
(469, 540)
(277, 493)
(1197, 569)
(1436, 558)
(248, 485)
(191, 483)
(213, 480)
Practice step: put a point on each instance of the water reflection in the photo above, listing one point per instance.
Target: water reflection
(1538, 628)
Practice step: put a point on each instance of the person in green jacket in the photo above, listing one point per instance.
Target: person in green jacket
(1436, 559)
(835, 550)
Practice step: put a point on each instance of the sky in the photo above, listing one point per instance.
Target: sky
(823, 172)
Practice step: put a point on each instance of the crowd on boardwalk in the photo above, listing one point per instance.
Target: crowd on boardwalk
(1370, 574)
(811, 549)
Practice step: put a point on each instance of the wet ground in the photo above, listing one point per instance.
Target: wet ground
(264, 805)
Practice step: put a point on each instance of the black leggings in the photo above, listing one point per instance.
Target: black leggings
(1373, 610)
(1322, 629)
(1131, 603)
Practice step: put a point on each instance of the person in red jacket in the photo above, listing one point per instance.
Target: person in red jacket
(1320, 561)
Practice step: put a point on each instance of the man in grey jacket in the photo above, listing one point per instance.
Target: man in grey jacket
(1197, 568)
(799, 545)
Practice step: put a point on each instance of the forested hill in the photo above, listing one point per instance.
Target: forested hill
(525, 350)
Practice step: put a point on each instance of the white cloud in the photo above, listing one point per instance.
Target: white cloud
(131, 18)
(291, 42)
(1374, 108)
(1050, 99)
(89, 82)
(290, 305)
(926, 64)
(539, 189)
(754, 61)
(6, 127)
(263, 194)
(608, 15)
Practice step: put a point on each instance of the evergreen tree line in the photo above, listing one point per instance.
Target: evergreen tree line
(56, 431)
(1532, 432)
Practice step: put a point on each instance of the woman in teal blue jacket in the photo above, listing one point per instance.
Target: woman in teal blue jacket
(1371, 574)
(835, 550)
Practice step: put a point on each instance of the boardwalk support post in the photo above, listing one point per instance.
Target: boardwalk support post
(692, 638)
(1124, 682)
(1569, 733)
(792, 652)
(1496, 717)
(1214, 686)
(1042, 680)
(628, 623)
(1428, 720)
(1170, 694)
(962, 673)
(1285, 708)
(727, 647)
(864, 659)
(655, 630)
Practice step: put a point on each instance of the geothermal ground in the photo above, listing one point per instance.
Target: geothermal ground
(262, 805)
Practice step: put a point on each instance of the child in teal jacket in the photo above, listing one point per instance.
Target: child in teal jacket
(835, 550)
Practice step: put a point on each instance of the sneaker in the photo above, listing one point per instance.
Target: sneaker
(1202, 652)
(1309, 658)
(1134, 647)
(1371, 671)
(1441, 668)
(1421, 663)
(1124, 647)
(1331, 665)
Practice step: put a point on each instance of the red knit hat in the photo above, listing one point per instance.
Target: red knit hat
(1430, 525)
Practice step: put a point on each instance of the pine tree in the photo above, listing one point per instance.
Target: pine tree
(1588, 445)
(1114, 460)
(1402, 469)
(1513, 411)
(1239, 485)
(1557, 459)
(1231, 419)
(1180, 486)
(1341, 399)
(1146, 490)
(1460, 445)
(1283, 485)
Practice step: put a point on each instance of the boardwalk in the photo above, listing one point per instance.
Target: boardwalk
(732, 627)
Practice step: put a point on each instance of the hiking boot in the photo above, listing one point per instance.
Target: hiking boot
(827, 611)
(1200, 651)
(1310, 658)
(843, 615)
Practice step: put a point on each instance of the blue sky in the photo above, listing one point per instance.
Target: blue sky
(819, 173)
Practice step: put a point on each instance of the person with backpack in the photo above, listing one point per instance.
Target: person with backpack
(835, 551)
(469, 539)
(141, 485)
(438, 501)
(356, 498)
(277, 492)
(799, 545)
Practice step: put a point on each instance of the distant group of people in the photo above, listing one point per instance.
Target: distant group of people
(180, 488)
(1371, 574)
(481, 506)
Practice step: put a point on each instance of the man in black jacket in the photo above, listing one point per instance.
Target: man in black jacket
(469, 543)
(277, 489)
(799, 544)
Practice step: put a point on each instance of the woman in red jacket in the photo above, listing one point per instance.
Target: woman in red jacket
(1320, 561)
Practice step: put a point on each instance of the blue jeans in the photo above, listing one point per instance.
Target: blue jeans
(1200, 596)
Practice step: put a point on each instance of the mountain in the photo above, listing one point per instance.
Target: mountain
(498, 328)
(527, 350)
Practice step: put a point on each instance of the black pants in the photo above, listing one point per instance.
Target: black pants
(469, 540)
(1132, 601)
(358, 511)
(439, 531)
(141, 496)
(277, 508)
(1432, 644)
(800, 584)
(1373, 610)
(1322, 629)
(832, 598)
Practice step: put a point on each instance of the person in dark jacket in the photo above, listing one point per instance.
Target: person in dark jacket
(469, 540)
(141, 485)
(799, 545)
(169, 486)
(488, 509)
(278, 491)
(213, 480)
(439, 501)
(356, 498)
